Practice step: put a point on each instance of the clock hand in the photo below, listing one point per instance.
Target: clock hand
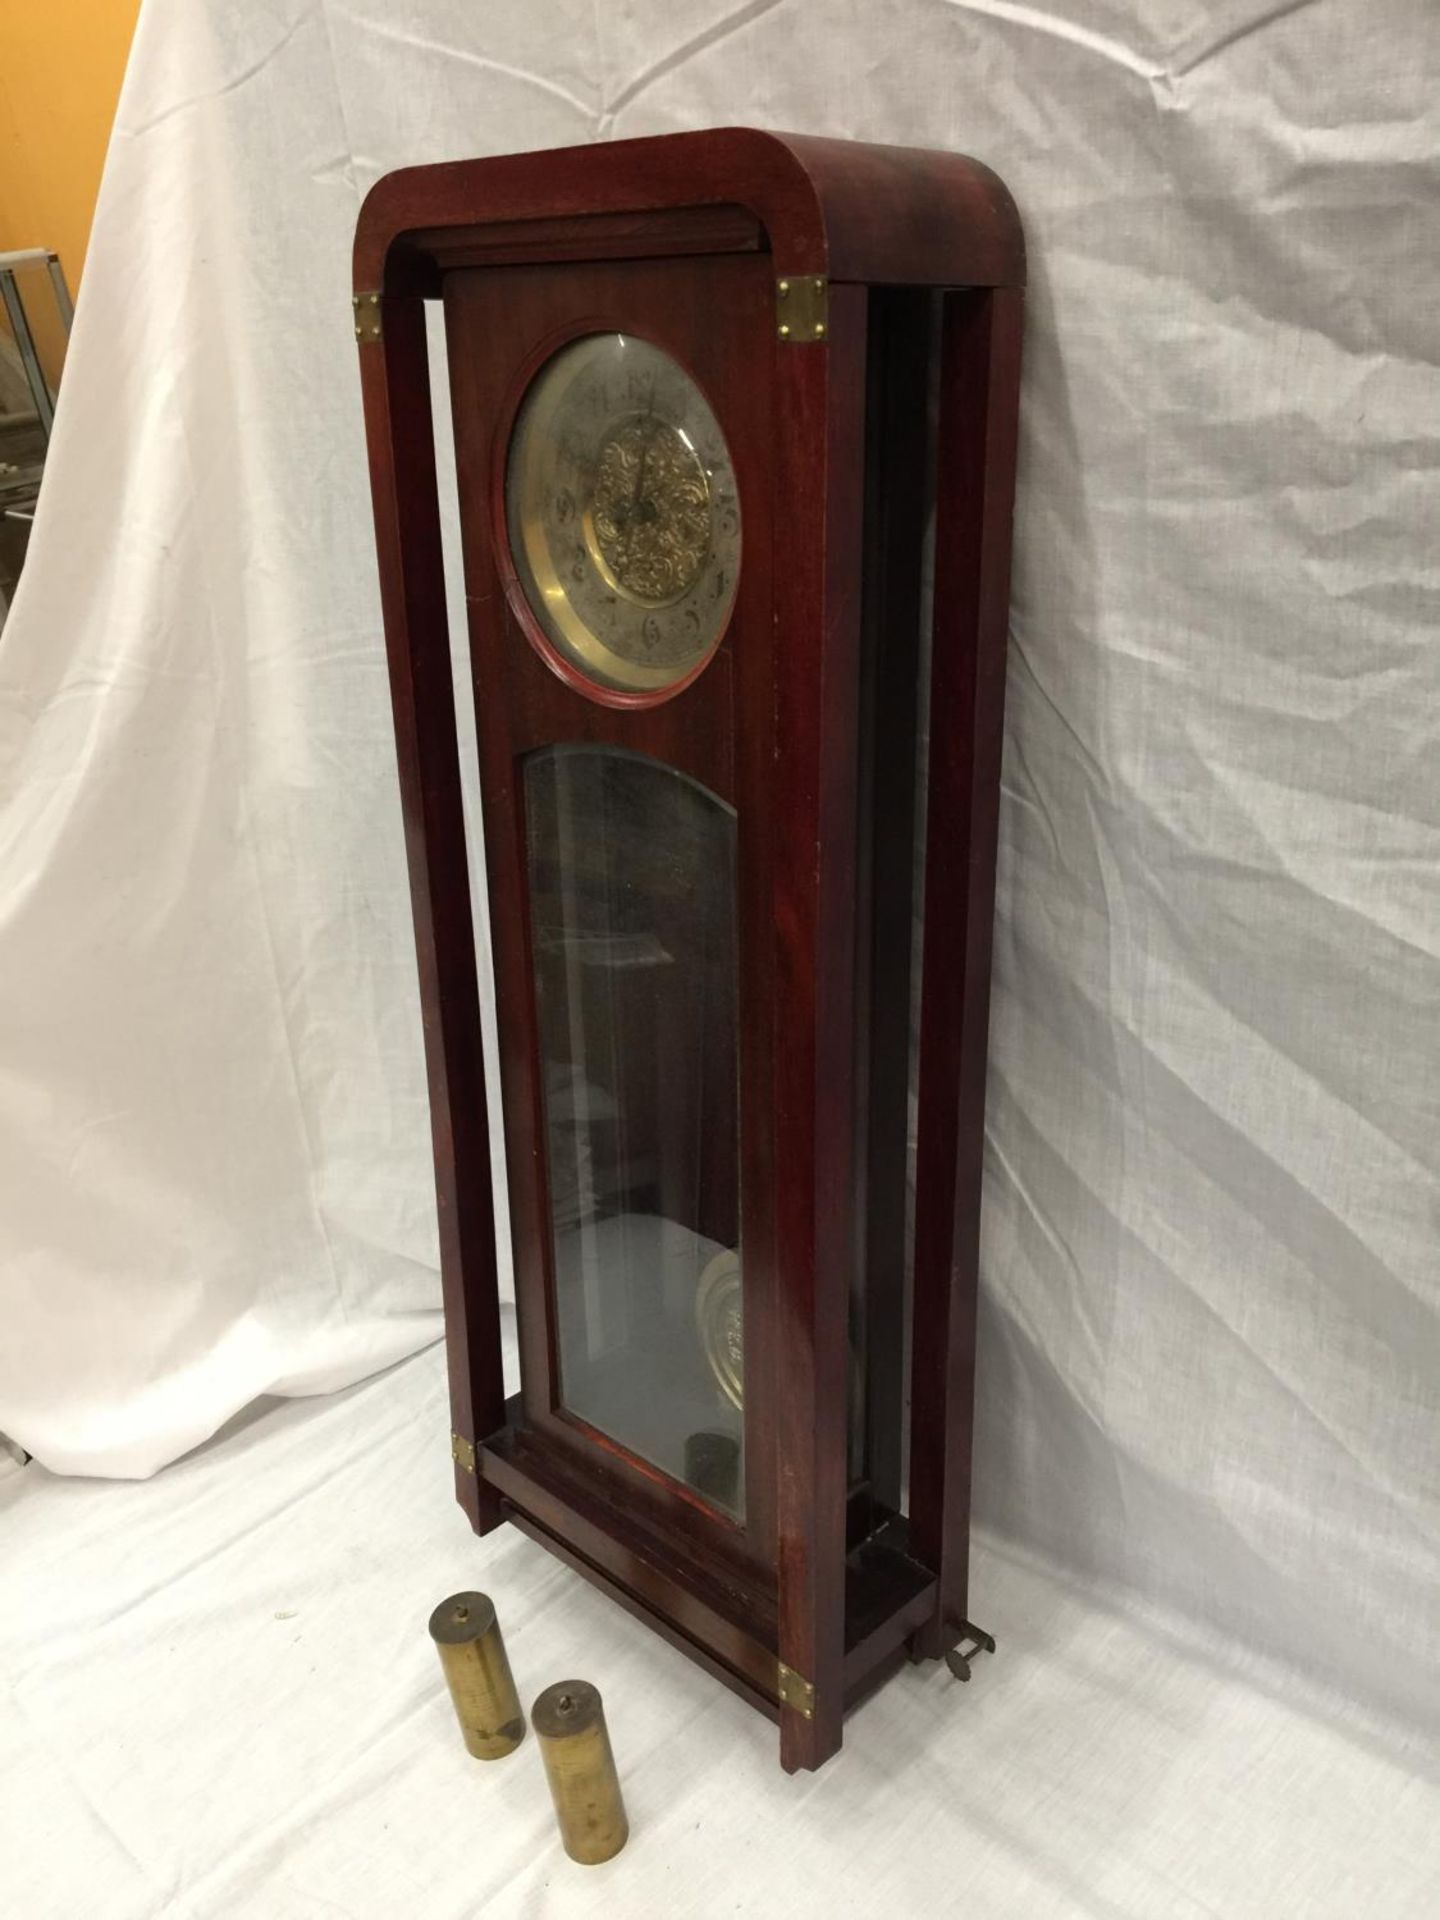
(644, 458)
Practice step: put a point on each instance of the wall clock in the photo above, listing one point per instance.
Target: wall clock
(708, 390)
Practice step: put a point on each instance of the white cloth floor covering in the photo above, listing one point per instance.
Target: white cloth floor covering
(220, 1699)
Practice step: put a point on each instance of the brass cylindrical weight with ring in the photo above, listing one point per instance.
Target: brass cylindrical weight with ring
(467, 1638)
(569, 1722)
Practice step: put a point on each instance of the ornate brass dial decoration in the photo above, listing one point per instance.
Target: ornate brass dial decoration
(651, 512)
(623, 513)
(718, 1315)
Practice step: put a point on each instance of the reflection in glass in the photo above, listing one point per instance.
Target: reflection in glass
(632, 913)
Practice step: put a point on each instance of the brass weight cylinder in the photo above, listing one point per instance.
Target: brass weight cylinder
(477, 1672)
(569, 1722)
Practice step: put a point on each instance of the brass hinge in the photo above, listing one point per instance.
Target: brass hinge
(796, 1692)
(802, 307)
(462, 1452)
(366, 308)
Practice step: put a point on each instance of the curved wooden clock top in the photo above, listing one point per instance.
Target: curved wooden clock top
(844, 208)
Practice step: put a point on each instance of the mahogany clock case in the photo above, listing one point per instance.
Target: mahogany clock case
(852, 317)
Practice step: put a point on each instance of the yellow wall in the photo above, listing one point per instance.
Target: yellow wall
(61, 64)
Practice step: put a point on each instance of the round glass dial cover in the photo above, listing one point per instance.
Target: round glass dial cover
(622, 513)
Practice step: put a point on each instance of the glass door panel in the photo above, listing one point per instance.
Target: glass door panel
(632, 909)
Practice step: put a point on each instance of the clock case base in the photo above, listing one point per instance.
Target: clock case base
(925, 251)
(710, 1612)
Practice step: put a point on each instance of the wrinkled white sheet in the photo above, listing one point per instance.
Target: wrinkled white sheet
(220, 1700)
(1211, 1331)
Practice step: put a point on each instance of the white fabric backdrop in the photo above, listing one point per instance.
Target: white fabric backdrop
(1211, 1328)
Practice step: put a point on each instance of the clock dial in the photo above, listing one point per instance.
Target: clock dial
(623, 514)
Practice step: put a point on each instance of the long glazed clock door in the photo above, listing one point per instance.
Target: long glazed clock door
(612, 426)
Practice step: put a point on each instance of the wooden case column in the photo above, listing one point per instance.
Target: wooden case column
(979, 386)
(820, 438)
(400, 436)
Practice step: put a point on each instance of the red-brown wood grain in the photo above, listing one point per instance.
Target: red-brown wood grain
(874, 214)
(407, 536)
(680, 239)
(819, 474)
(704, 312)
(979, 384)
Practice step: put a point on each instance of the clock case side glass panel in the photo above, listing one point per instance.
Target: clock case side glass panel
(900, 454)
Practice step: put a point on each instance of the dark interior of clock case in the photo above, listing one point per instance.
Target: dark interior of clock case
(903, 337)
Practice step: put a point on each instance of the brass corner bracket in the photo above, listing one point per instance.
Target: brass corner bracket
(795, 1691)
(366, 308)
(462, 1452)
(802, 307)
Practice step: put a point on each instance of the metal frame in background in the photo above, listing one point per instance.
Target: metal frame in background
(10, 264)
(20, 486)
